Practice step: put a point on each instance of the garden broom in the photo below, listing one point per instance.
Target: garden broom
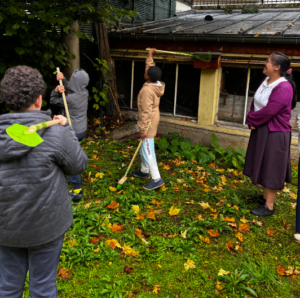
(124, 178)
(203, 57)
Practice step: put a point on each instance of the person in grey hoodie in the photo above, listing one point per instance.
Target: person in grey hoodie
(35, 209)
(77, 100)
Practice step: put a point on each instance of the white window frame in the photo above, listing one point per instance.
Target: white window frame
(175, 93)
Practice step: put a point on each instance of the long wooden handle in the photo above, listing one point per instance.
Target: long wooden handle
(136, 151)
(35, 127)
(167, 52)
(64, 99)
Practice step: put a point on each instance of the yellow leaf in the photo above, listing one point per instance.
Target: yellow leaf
(156, 289)
(180, 180)
(90, 173)
(87, 206)
(240, 237)
(223, 272)
(144, 241)
(286, 190)
(96, 250)
(205, 240)
(230, 170)
(190, 264)
(259, 223)
(204, 205)
(219, 286)
(199, 217)
(112, 188)
(172, 236)
(166, 167)
(136, 209)
(289, 271)
(223, 179)
(236, 207)
(160, 164)
(99, 175)
(163, 188)
(159, 266)
(183, 234)
(174, 211)
(113, 243)
(294, 205)
(256, 35)
(291, 24)
(243, 219)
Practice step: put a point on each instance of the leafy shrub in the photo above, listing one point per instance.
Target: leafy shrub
(250, 10)
(174, 144)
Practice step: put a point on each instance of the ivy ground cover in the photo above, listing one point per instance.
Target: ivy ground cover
(194, 237)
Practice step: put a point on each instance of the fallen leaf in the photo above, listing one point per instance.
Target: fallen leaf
(172, 236)
(290, 271)
(128, 269)
(219, 286)
(87, 206)
(204, 205)
(174, 211)
(112, 188)
(280, 270)
(205, 240)
(116, 228)
(159, 266)
(100, 175)
(156, 289)
(271, 232)
(212, 233)
(63, 273)
(190, 264)
(166, 167)
(268, 28)
(183, 234)
(256, 35)
(72, 243)
(113, 205)
(151, 215)
(244, 228)
(291, 24)
(199, 217)
(240, 237)
(294, 205)
(113, 243)
(223, 272)
(96, 250)
(136, 209)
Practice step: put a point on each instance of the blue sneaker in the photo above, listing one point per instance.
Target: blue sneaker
(76, 195)
(140, 174)
(153, 185)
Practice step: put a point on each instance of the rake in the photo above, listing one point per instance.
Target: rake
(124, 178)
(202, 57)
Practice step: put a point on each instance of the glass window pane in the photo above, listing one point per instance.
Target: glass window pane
(123, 78)
(232, 94)
(139, 81)
(296, 110)
(256, 77)
(188, 88)
(168, 77)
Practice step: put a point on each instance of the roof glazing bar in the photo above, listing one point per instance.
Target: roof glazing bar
(235, 22)
(291, 24)
(204, 23)
(260, 23)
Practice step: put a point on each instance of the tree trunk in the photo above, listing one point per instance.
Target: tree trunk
(72, 42)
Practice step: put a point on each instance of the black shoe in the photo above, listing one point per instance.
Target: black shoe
(260, 200)
(140, 174)
(262, 210)
(76, 197)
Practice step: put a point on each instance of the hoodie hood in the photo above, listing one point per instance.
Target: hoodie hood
(158, 89)
(9, 148)
(79, 81)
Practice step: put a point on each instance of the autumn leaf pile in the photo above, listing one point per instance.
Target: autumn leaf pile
(196, 228)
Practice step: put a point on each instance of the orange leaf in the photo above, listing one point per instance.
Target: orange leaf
(177, 188)
(138, 216)
(151, 215)
(280, 270)
(72, 242)
(115, 227)
(244, 228)
(227, 218)
(271, 232)
(213, 234)
(63, 273)
(138, 232)
(113, 205)
(240, 237)
(229, 245)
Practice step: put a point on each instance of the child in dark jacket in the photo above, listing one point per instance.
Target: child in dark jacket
(77, 100)
(35, 209)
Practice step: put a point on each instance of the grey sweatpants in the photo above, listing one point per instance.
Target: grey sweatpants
(41, 262)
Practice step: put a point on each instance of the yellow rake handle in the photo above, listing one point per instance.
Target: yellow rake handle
(35, 127)
(166, 52)
(64, 99)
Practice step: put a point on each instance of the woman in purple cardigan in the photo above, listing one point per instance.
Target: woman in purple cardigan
(268, 154)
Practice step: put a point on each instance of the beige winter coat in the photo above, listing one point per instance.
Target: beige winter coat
(148, 105)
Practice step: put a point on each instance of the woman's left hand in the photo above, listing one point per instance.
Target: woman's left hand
(62, 120)
(252, 127)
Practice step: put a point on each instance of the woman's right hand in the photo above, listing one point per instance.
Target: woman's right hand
(252, 127)
(62, 120)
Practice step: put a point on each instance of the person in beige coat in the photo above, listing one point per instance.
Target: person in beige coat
(148, 112)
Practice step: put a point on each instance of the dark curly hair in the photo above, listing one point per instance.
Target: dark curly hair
(20, 87)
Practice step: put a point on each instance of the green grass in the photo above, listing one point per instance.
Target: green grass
(97, 270)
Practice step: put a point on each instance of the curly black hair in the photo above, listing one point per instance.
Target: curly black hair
(20, 87)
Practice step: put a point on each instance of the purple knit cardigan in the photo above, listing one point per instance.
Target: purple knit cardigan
(277, 113)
